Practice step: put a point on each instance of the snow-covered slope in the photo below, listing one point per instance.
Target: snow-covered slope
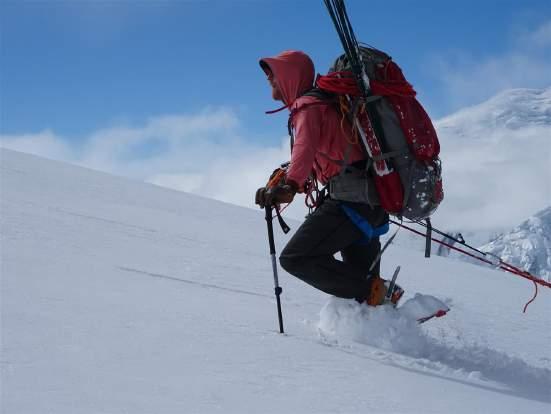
(527, 245)
(118, 296)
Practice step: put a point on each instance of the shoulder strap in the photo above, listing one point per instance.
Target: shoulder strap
(313, 92)
(320, 94)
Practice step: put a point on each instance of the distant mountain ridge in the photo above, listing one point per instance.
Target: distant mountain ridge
(527, 245)
(512, 109)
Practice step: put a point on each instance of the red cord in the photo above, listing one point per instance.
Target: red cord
(533, 299)
(502, 265)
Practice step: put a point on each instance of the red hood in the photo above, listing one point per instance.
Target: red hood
(294, 72)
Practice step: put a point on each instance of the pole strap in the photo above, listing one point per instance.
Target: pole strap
(282, 223)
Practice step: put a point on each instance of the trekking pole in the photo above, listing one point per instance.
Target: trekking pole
(458, 239)
(392, 283)
(277, 288)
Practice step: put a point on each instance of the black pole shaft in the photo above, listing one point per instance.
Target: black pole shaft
(428, 238)
(277, 288)
(455, 239)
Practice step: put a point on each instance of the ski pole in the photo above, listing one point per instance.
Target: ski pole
(277, 288)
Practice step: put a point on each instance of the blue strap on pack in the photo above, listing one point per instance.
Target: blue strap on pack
(363, 225)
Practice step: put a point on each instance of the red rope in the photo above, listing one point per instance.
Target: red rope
(502, 265)
(445, 244)
(344, 83)
(533, 299)
(392, 88)
(312, 193)
(341, 83)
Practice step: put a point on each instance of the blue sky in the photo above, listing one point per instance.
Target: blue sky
(170, 92)
(75, 66)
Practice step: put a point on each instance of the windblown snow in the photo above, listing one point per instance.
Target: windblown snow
(124, 297)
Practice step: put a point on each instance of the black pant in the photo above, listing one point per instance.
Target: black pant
(309, 255)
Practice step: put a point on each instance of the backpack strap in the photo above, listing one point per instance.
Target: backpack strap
(363, 224)
(324, 98)
(391, 154)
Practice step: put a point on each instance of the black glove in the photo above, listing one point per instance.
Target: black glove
(280, 194)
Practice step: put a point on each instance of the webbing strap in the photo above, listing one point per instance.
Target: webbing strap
(294, 112)
(428, 238)
(343, 163)
(372, 98)
(338, 162)
(391, 154)
(363, 225)
(346, 158)
(282, 223)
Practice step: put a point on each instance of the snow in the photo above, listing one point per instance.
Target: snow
(124, 297)
(512, 109)
(527, 245)
(495, 162)
(384, 327)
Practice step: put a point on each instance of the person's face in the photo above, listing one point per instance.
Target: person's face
(276, 92)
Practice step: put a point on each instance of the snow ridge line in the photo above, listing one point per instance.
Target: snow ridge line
(191, 282)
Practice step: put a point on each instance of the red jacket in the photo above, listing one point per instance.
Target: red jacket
(321, 135)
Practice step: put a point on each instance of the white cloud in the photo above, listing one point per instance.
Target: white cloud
(203, 153)
(495, 181)
(465, 78)
(541, 37)
(45, 144)
(494, 178)
(162, 141)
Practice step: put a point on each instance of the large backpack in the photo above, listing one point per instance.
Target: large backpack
(396, 132)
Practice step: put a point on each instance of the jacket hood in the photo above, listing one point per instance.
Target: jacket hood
(294, 72)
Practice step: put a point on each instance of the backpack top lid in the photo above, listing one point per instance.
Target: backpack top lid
(371, 59)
